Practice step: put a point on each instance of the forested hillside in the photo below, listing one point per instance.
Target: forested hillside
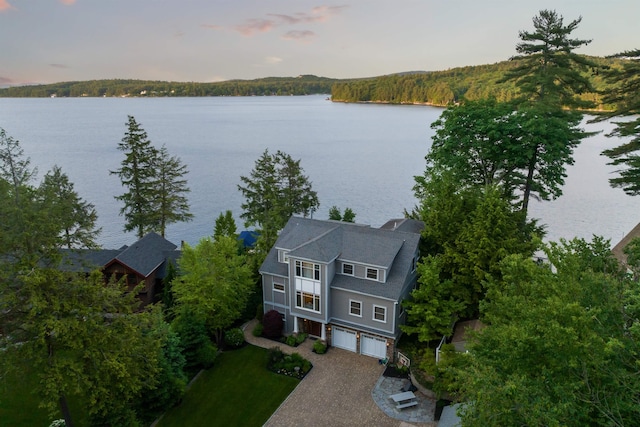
(301, 85)
(435, 88)
(445, 87)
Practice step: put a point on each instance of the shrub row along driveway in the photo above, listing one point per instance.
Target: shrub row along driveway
(337, 391)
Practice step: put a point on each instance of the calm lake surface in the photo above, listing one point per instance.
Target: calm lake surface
(356, 155)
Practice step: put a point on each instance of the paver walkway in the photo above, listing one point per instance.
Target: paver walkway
(336, 392)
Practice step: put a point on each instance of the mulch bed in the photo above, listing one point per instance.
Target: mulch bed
(392, 372)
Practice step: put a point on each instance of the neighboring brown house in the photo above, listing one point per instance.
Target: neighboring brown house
(618, 250)
(144, 263)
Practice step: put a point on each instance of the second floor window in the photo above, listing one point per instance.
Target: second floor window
(308, 270)
(347, 269)
(372, 273)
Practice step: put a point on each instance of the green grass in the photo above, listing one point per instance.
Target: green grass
(19, 405)
(237, 391)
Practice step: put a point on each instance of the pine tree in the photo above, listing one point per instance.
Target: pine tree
(171, 188)
(138, 175)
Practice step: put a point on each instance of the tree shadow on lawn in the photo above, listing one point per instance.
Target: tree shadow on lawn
(237, 390)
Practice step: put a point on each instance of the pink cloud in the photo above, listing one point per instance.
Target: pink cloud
(318, 14)
(303, 36)
(5, 5)
(67, 2)
(253, 26)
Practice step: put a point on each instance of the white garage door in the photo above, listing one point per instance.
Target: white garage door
(373, 346)
(345, 339)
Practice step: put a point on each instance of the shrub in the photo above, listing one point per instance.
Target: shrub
(301, 337)
(259, 312)
(319, 347)
(234, 337)
(257, 330)
(272, 323)
(206, 355)
(290, 341)
(292, 365)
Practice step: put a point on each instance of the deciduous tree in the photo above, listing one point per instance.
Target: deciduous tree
(214, 283)
(559, 344)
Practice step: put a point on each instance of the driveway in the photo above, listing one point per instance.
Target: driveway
(336, 392)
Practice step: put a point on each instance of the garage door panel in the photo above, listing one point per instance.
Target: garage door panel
(373, 346)
(344, 339)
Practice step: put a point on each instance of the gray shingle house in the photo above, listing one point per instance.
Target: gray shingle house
(343, 282)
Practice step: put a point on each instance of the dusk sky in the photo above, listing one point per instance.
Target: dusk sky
(47, 41)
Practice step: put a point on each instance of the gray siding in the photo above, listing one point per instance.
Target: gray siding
(340, 311)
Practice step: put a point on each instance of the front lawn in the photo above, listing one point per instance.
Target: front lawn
(237, 391)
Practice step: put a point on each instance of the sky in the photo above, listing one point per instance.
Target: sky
(48, 41)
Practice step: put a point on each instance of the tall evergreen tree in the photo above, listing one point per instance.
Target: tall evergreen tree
(171, 187)
(155, 184)
(550, 79)
(624, 95)
(138, 175)
(68, 211)
(276, 189)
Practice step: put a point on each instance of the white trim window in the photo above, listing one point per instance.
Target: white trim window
(379, 313)
(355, 308)
(308, 270)
(347, 269)
(308, 301)
(308, 295)
(372, 273)
(278, 287)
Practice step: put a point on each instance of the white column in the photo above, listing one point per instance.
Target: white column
(295, 324)
(323, 334)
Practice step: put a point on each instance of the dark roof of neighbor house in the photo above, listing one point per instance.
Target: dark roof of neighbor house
(618, 250)
(145, 256)
(324, 241)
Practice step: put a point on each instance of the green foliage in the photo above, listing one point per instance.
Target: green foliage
(301, 337)
(66, 323)
(154, 181)
(626, 84)
(234, 337)
(225, 226)
(192, 331)
(215, 283)
(258, 330)
(171, 378)
(259, 312)
(291, 365)
(171, 188)
(319, 347)
(549, 71)
(335, 215)
(137, 175)
(301, 85)
(290, 341)
(76, 218)
(276, 189)
(559, 348)
(467, 233)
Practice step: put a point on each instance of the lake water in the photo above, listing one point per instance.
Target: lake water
(356, 155)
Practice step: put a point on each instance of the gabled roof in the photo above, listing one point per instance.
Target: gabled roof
(325, 241)
(618, 250)
(146, 255)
